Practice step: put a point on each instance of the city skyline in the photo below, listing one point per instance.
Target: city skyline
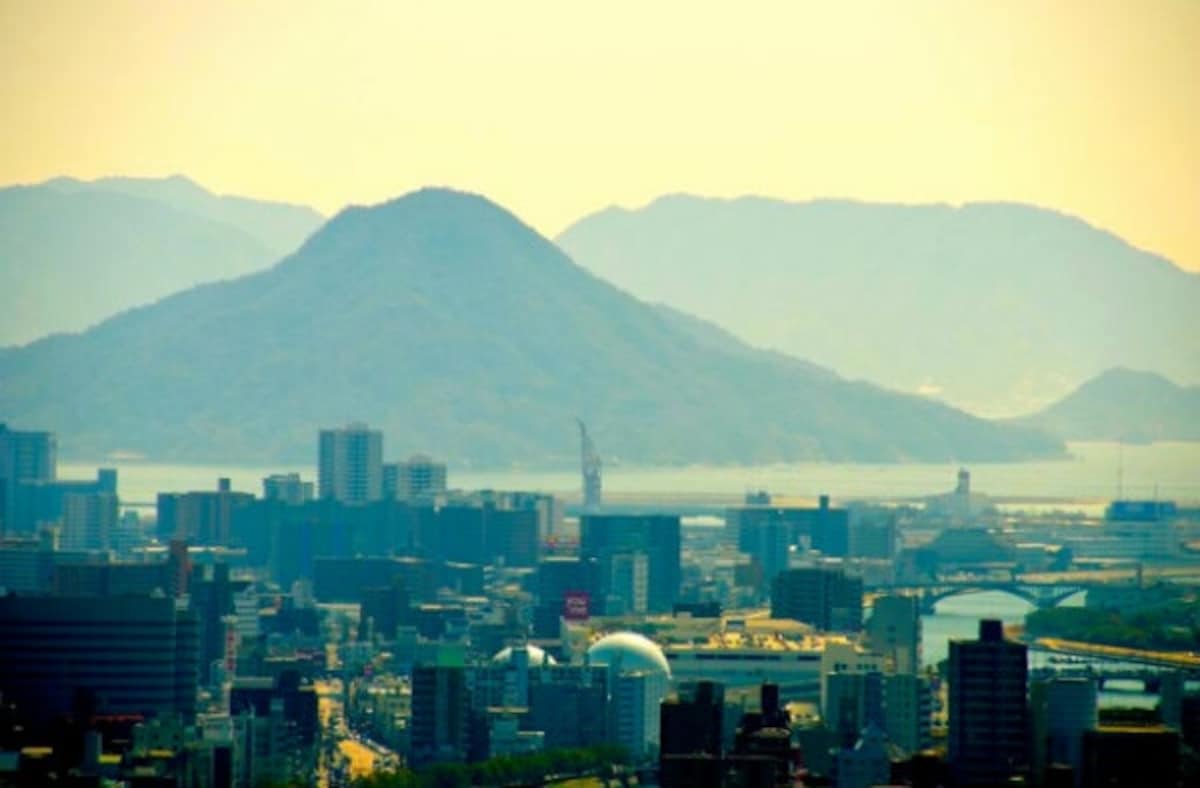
(1083, 109)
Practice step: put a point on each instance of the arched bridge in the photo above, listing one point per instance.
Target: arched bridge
(1038, 595)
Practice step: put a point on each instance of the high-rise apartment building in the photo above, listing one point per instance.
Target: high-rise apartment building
(350, 464)
(287, 487)
(24, 456)
(989, 729)
(417, 478)
(89, 522)
(201, 517)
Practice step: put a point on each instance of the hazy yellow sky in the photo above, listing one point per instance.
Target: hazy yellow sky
(556, 109)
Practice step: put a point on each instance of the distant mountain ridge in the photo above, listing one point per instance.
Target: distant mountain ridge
(1124, 405)
(999, 308)
(442, 319)
(75, 252)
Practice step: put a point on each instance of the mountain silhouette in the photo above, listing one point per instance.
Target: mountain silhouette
(76, 252)
(997, 308)
(1124, 405)
(444, 320)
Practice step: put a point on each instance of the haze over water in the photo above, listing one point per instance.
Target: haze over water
(1090, 477)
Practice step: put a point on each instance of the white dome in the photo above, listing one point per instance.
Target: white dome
(537, 657)
(629, 651)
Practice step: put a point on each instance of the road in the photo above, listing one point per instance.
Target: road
(1170, 659)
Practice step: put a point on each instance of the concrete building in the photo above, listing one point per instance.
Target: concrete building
(27, 562)
(867, 763)
(692, 722)
(417, 478)
(767, 542)
(658, 536)
(908, 711)
(24, 456)
(989, 730)
(894, 631)
(1130, 757)
(350, 464)
(41, 502)
(638, 678)
(1062, 709)
(627, 583)
(567, 702)
(202, 517)
(440, 714)
(136, 655)
(851, 703)
(823, 528)
(89, 521)
(287, 487)
(826, 598)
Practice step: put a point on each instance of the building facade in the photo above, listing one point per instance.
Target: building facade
(350, 464)
(989, 729)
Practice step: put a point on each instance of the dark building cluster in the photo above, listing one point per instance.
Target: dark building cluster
(380, 620)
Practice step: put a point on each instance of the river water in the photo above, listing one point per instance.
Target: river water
(958, 617)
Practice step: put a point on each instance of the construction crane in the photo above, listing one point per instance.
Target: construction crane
(589, 465)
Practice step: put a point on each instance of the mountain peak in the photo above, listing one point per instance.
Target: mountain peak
(452, 326)
(958, 298)
(1127, 405)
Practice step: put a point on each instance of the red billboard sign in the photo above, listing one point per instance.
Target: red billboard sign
(576, 605)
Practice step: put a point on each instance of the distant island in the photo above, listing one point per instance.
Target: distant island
(998, 308)
(1124, 405)
(77, 252)
(443, 319)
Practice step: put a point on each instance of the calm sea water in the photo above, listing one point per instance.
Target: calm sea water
(1094, 473)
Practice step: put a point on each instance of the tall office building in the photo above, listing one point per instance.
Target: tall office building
(658, 536)
(826, 598)
(440, 714)
(350, 464)
(767, 541)
(417, 478)
(894, 631)
(24, 456)
(135, 655)
(989, 729)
